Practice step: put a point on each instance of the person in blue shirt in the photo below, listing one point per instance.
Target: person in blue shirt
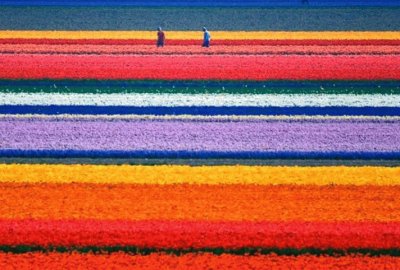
(207, 38)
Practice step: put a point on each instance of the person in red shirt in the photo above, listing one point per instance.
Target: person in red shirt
(160, 38)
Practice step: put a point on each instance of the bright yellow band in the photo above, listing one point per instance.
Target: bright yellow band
(174, 174)
(188, 35)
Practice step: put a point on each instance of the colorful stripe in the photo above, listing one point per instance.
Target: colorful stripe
(197, 42)
(210, 175)
(226, 137)
(183, 202)
(212, 100)
(218, 35)
(200, 235)
(213, 67)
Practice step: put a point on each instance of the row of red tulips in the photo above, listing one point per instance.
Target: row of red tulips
(202, 234)
(27, 66)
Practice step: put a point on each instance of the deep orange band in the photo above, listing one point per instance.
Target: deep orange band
(200, 202)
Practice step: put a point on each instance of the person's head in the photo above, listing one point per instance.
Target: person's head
(204, 29)
(159, 29)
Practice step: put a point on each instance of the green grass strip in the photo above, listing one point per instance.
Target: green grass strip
(200, 87)
(216, 251)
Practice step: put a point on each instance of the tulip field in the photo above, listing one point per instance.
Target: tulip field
(272, 149)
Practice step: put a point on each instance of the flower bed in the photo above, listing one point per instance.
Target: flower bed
(199, 67)
(201, 235)
(301, 99)
(210, 175)
(213, 203)
(200, 136)
(200, 100)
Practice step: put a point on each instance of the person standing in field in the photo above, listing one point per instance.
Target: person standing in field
(160, 37)
(207, 38)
